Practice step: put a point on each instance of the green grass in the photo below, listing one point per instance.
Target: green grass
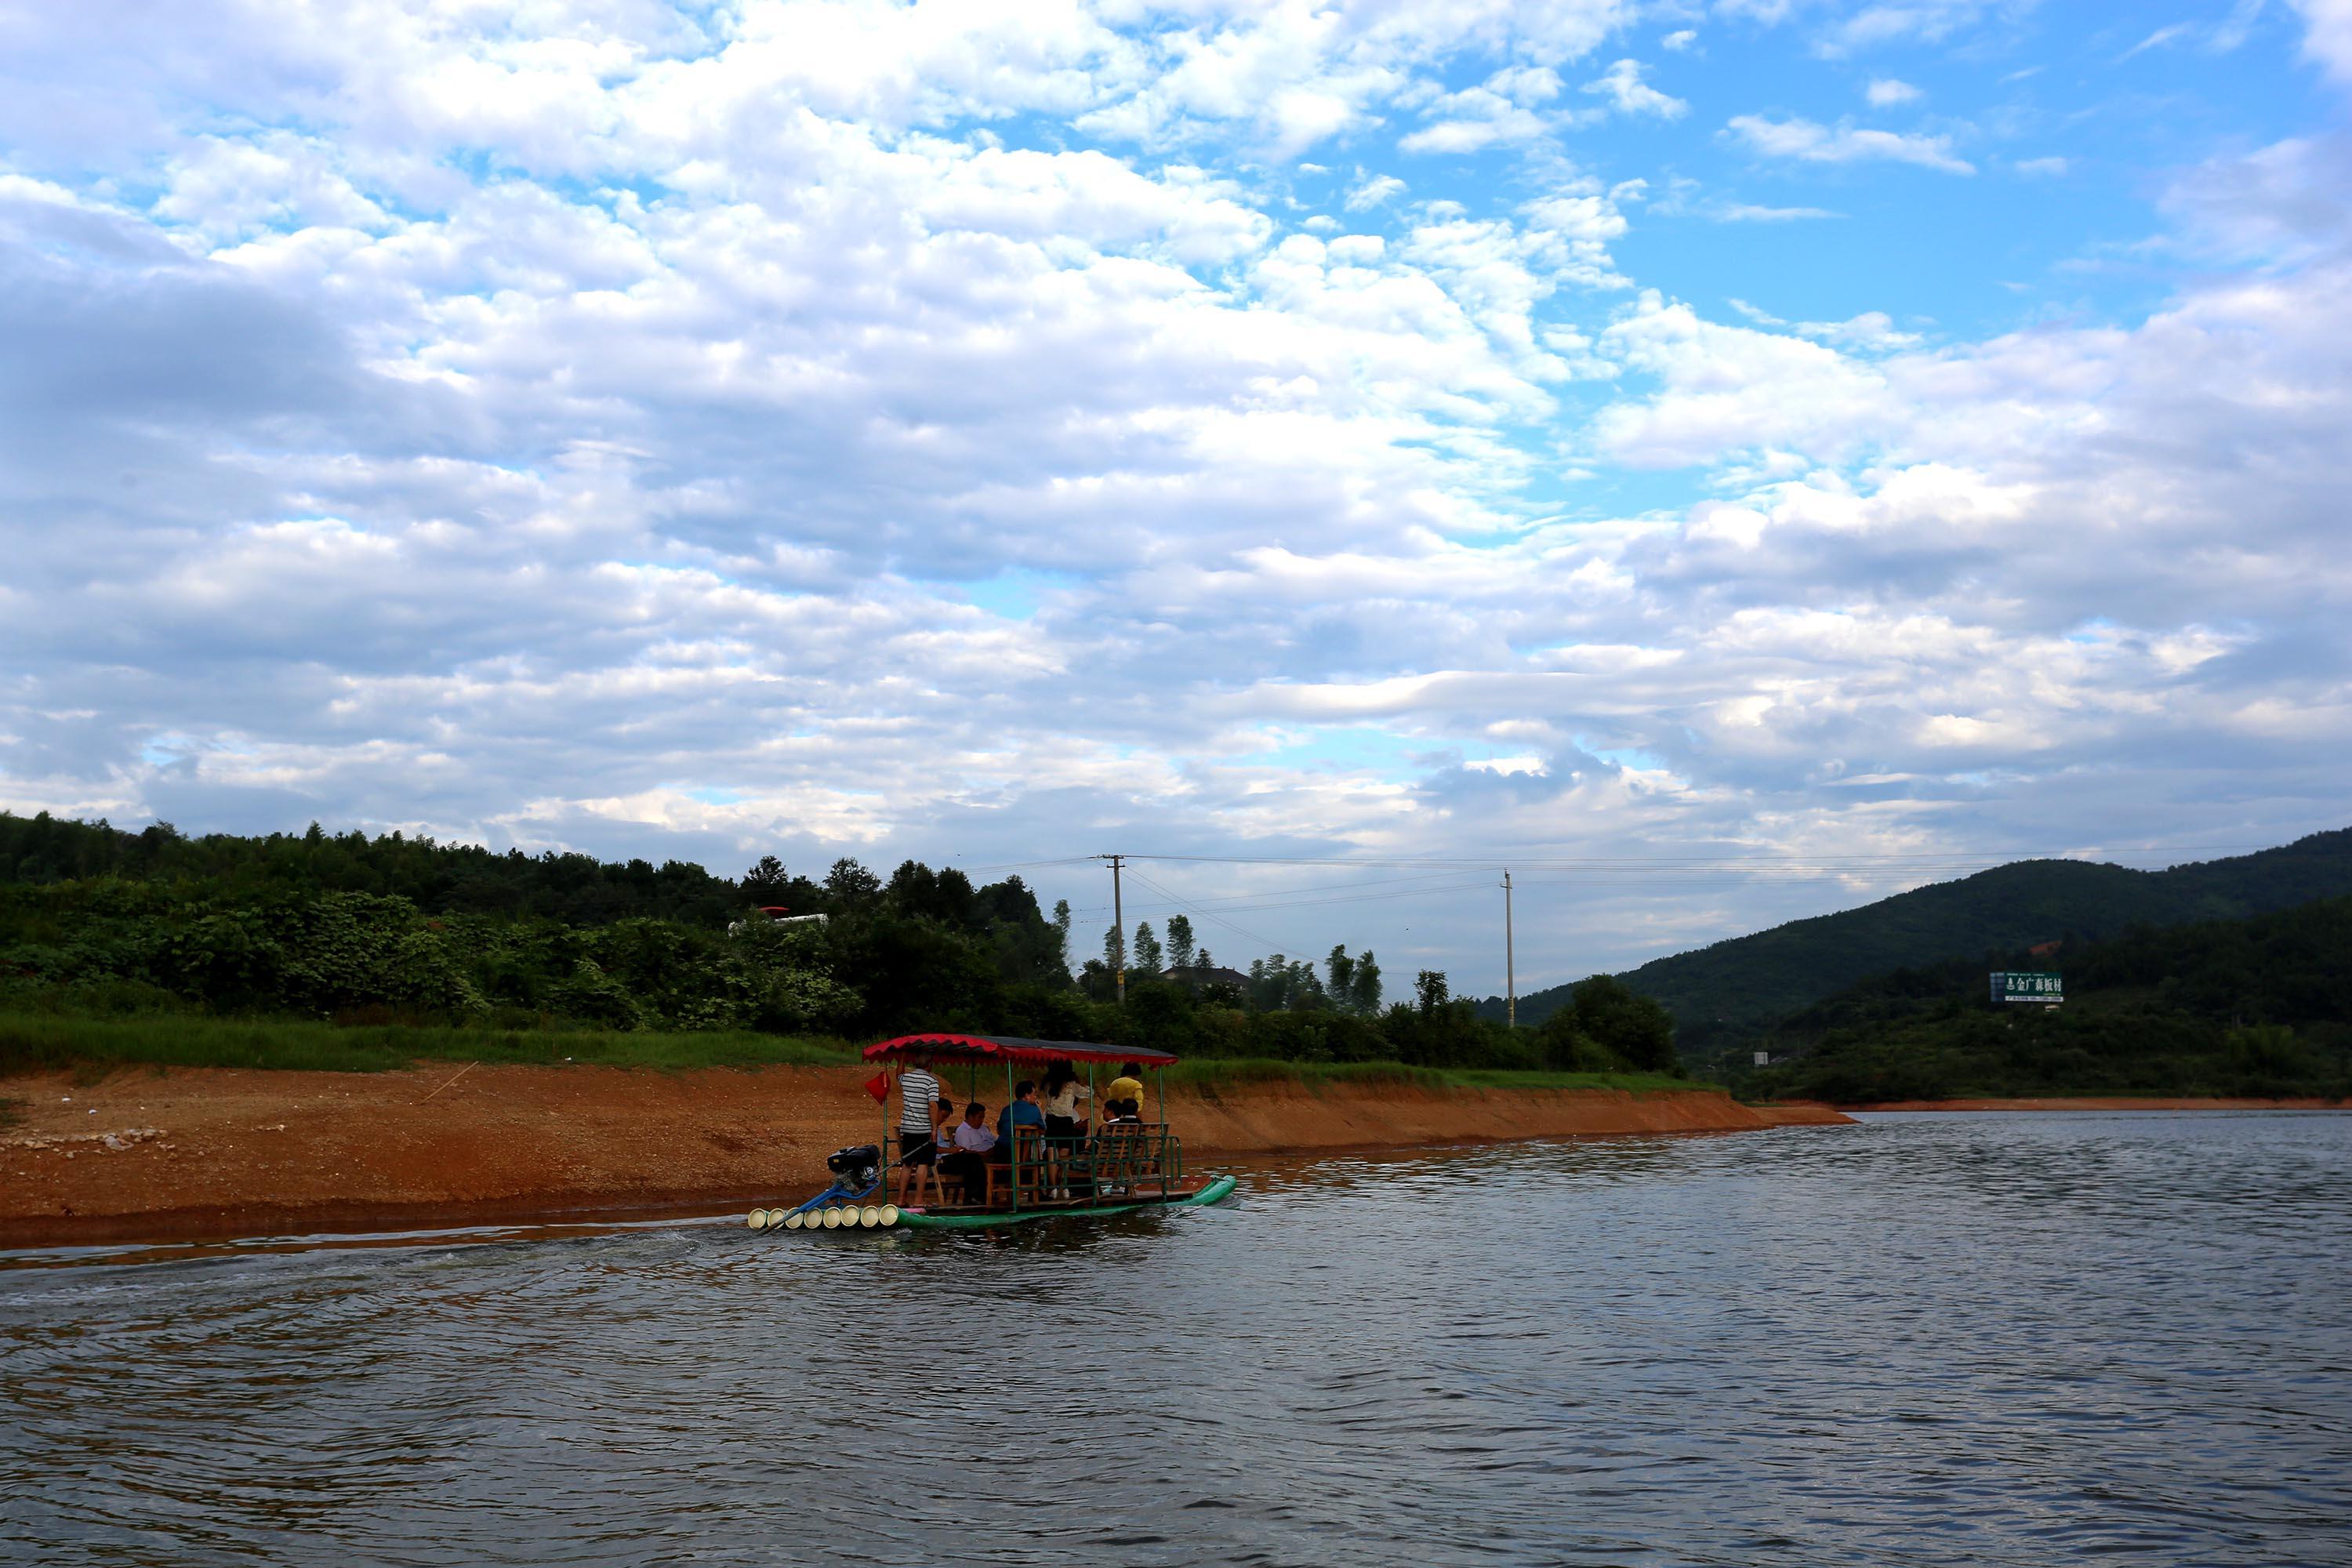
(1630, 1082)
(37, 1043)
(1210, 1074)
(90, 1047)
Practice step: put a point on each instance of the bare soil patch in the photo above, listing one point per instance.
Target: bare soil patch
(233, 1152)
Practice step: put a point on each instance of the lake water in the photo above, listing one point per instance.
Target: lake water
(2014, 1339)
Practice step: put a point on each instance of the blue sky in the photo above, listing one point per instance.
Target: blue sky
(1725, 459)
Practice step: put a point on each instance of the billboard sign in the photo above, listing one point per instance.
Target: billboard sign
(2041, 986)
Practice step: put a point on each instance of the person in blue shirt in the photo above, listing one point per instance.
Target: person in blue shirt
(1025, 1111)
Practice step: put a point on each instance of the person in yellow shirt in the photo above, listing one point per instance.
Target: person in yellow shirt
(1124, 1099)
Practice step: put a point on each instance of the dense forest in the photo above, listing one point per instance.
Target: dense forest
(1727, 998)
(102, 922)
(2254, 1007)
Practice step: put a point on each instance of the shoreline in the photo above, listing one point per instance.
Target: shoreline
(2112, 1103)
(219, 1153)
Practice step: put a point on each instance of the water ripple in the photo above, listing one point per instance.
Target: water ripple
(1929, 1339)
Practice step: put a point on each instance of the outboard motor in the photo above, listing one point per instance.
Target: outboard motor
(856, 1168)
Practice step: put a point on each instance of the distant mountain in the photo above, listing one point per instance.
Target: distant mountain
(2254, 1007)
(1727, 995)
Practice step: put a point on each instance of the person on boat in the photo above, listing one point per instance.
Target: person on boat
(919, 1151)
(1061, 1095)
(1025, 1111)
(969, 1161)
(944, 1124)
(1124, 1099)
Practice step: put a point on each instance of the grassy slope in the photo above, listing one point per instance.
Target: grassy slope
(32, 1044)
(1725, 994)
(1212, 1073)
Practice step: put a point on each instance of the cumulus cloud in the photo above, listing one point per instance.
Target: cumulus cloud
(2289, 201)
(1623, 86)
(838, 426)
(2328, 38)
(1506, 108)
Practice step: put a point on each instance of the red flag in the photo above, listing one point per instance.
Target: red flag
(878, 1086)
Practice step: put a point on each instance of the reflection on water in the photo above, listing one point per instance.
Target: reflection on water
(1981, 1338)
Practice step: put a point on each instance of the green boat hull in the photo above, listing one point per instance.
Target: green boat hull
(1215, 1191)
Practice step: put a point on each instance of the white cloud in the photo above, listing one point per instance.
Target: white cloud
(2290, 202)
(1809, 141)
(2163, 37)
(614, 429)
(2049, 166)
(1893, 22)
(1884, 91)
(1622, 85)
(2328, 40)
(1746, 212)
(1504, 110)
(1679, 40)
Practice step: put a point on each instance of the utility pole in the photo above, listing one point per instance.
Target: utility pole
(1510, 968)
(1118, 924)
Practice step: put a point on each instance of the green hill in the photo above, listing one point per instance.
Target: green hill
(1726, 997)
(2254, 1007)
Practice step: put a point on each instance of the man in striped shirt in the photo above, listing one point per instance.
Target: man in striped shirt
(918, 1156)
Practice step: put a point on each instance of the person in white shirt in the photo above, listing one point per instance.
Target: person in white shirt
(969, 1162)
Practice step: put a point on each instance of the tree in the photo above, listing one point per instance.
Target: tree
(1114, 951)
(1061, 932)
(1430, 991)
(1342, 972)
(765, 882)
(850, 885)
(1148, 958)
(1364, 993)
(1180, 942)
(1634, 1028)
(1566, 1047)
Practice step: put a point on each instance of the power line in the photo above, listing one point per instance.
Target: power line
(1853, 860)
(1200, 906)
(1028, 864)
(1327, 887)
(1207, 915)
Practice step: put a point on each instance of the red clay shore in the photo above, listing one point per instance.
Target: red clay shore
(2108, 1103)
(143, 1154)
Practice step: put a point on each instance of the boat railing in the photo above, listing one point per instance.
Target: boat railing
(1128, 1159)
(1118, 1160)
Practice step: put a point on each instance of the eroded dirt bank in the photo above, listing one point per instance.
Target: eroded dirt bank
(218, 1152)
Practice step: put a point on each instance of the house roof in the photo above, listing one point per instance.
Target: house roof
(1207, 974)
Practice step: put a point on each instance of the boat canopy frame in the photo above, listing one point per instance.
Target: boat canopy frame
(1012, 1048)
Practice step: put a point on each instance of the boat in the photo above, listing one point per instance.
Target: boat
(1124, 1165)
